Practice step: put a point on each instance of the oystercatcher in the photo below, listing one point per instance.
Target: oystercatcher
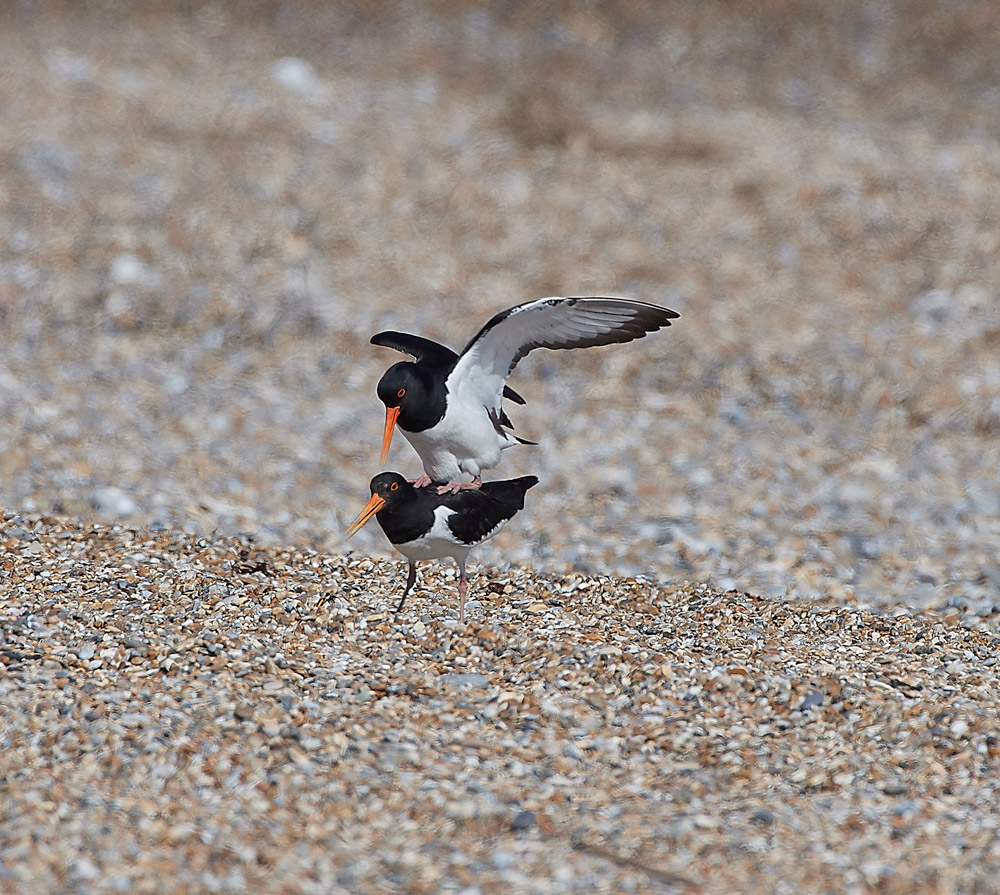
(448, 405)
(422, 524)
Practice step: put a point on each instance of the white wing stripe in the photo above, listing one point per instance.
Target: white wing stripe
(488, 359)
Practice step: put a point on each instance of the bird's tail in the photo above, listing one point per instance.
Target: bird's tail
(510, 491)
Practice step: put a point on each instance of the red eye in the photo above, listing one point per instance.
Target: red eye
(394, 486)
(400, 393)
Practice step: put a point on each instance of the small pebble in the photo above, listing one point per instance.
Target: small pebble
(813, 699)
(523, 820)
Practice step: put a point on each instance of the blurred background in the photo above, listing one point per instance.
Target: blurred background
(209, 208)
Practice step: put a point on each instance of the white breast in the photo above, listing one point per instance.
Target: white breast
(464, 441)
(438, 543)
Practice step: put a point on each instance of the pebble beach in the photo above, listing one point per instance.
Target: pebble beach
(197, 715)
(743, 636)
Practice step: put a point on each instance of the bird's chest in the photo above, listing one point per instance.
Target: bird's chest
(436, 542)
(464, 441)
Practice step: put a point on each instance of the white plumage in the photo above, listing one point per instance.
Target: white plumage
(441, 542)
(465, 442)
(459, 429)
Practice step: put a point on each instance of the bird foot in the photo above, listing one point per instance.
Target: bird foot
(455, 487)
(421, 481)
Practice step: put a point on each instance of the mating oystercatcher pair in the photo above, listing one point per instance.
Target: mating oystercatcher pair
(449, 407)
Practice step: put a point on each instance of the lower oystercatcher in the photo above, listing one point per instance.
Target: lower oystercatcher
(448, 405)
(422, 524)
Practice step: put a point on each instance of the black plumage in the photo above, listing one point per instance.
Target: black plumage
(423, 524)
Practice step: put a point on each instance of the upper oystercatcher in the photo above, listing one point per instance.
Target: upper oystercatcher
(422, 524)
(449, 405)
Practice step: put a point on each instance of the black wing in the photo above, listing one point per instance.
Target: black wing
(420, 349)
(477, 513)
(510, 491)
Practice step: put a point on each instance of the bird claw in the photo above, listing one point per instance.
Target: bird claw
(421, 481)
(455, 487)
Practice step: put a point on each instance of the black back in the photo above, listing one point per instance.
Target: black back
(409, 512)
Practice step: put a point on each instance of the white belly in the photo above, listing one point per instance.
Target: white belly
(438, 543)
(463, 442)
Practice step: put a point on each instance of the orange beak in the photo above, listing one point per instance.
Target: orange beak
(374, 505)
(391, 415)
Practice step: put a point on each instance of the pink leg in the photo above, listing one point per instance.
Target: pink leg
(421, 481)
(455, 487)
(463, 587)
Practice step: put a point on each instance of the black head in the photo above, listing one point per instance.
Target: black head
(401, 386)
(419, 395)
(389, 491)
(392, 488)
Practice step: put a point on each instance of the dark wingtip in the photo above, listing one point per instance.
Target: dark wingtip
(662, 316)
(653, 317)
(667, 312)
(511, 395)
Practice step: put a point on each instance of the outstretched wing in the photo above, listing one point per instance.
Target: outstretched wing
(433, 354)
(489, 358)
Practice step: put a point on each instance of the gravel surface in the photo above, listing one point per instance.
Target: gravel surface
(209, 208)
(199, 715)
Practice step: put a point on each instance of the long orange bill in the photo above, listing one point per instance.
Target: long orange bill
(374, 505)
(391, 415)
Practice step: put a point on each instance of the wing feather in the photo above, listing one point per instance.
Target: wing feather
(554, 323)
(419, 348)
